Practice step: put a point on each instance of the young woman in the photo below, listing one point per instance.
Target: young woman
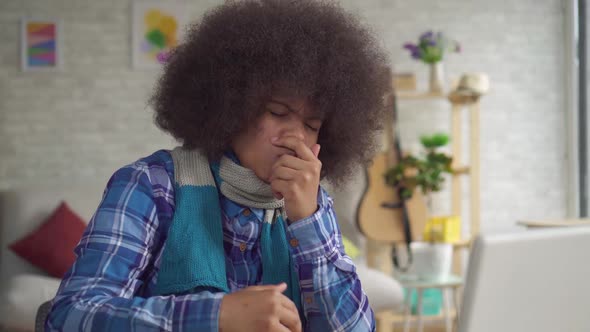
(232, 231)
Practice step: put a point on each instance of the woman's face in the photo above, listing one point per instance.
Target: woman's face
(282, 116)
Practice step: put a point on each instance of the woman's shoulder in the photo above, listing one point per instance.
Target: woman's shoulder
(156, 169)
(158, 159)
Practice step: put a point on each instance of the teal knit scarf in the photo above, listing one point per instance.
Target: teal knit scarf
(193, 254)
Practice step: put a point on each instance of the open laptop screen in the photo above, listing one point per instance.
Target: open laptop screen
(536, 280)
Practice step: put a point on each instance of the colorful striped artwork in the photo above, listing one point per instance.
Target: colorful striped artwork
(40, 44)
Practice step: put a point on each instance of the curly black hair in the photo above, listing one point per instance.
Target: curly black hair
(216, 82)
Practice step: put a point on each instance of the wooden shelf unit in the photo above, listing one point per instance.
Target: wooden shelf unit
(461, 103)
(378, 252)
(397, 318)
(419, 95)
(460, 170)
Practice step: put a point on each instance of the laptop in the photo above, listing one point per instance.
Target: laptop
(536, 280)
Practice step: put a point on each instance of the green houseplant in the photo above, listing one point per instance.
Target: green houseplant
(424, 172)
(432, 258)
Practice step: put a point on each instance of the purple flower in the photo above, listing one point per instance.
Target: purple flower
(427, 36)
(417, 54)
(163, 57)
(429, 39)
(414, 50)
(431, 46)
(410, 46)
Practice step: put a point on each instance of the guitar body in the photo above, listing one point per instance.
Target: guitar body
(386, 224)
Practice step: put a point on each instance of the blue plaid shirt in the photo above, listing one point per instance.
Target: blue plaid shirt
(111, 285)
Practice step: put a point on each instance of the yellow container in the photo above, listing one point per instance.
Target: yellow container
(443, 229)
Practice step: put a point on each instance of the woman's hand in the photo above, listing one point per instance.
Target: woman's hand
(297, 178)
(259, 308)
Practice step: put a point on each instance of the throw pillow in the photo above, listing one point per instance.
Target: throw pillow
(51, 246)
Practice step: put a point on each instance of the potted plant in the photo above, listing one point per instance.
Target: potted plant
(430, 49)
(427, 173)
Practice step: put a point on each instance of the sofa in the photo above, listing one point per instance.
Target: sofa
(24, 287)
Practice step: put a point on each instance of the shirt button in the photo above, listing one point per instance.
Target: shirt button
(242, 247)
(246, 212)
(294, 242)
(309, 300)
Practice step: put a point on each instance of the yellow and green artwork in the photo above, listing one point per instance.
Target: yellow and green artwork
(157, 29)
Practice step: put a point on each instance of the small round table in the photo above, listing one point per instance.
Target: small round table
(447, 283)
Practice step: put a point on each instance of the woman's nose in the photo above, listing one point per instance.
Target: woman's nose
(295, 130)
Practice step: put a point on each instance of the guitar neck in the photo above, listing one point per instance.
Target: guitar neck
(390, 148)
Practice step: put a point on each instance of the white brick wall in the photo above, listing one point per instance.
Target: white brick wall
(91, 118)
(520, 44)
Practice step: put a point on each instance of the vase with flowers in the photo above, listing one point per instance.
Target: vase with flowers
(430, 49)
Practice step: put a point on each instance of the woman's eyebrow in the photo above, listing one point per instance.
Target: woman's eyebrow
(311, 117)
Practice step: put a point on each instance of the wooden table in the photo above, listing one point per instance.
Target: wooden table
(554, 223)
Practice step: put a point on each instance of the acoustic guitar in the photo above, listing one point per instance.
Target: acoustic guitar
(381, 215)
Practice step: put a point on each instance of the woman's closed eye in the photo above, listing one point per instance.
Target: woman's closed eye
(278, 113)
(312, 127)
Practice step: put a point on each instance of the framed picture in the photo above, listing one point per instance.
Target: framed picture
(158, 26)
(40, 44)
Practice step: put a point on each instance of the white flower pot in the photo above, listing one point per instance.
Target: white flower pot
(430, 260)
(436, 77)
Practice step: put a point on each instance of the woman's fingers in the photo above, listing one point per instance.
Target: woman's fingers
(295, 144)
(283, 173)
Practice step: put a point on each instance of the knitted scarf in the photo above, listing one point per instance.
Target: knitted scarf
(193, 255)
